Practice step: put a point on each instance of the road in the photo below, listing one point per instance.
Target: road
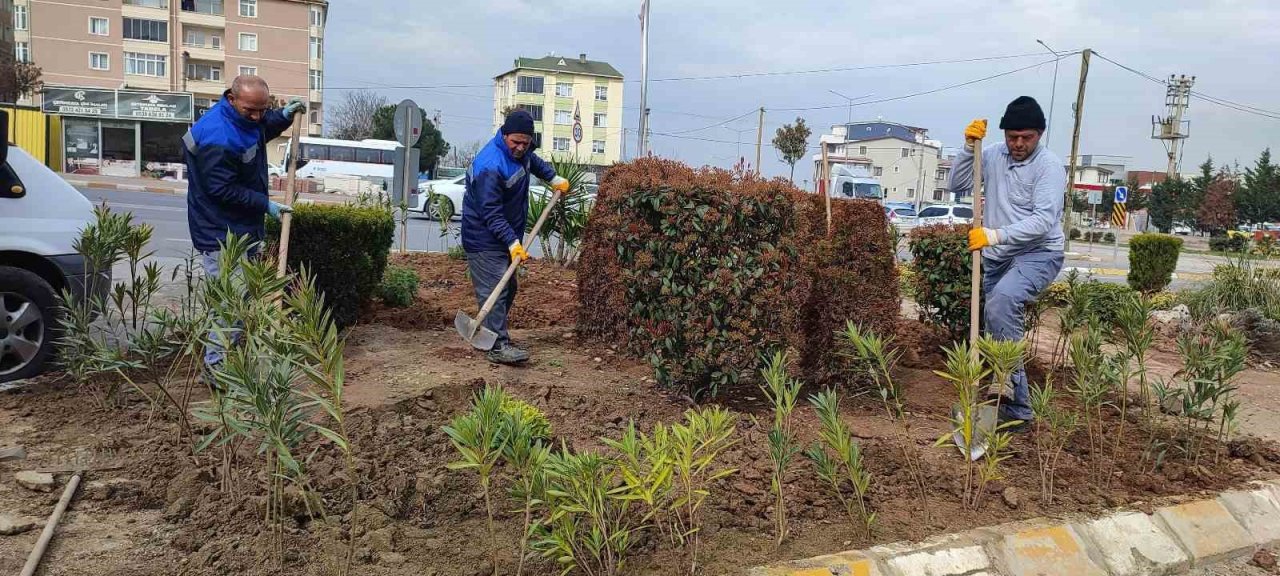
(168, 214)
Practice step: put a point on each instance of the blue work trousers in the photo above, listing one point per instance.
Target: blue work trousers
(1009, 285)
(486, 270)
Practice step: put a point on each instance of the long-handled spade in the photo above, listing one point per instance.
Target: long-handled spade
(471, 330)
(985, 416)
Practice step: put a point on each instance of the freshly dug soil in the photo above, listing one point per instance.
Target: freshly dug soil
(165, 513)
(546, 295)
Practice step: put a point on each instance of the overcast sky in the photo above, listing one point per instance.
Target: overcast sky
(1229, 45)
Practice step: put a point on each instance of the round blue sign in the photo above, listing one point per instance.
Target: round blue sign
(577, 132)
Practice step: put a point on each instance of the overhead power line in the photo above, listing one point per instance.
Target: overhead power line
(1237, 106)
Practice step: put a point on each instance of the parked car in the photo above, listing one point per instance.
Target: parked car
(946, 214)
(1181, 229)
(452, 189)
(41, 217)
(900, 216)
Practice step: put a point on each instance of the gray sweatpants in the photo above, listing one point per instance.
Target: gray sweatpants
(486, 270)
(215, 349)
(1009, 285)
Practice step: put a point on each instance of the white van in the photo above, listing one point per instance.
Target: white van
(40, 217)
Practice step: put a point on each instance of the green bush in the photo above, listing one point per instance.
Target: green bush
(1075, 234)
(1152, 260)
(399, 286)
(943, 270)
(1231, 243)
(689, 268)
(700, 271)
(345, 248)
(1109, 237)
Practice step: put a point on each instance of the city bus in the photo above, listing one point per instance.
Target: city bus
(329, 157)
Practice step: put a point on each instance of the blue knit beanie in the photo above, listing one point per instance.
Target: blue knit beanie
(518, 122)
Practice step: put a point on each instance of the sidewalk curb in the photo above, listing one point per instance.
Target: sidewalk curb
(171, 191)
(1125, 543)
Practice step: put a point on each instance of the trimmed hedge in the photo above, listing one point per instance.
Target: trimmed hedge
(1229, 243)
(702, 271)
(1152, 260)
(848, 275)
(943, 270)
(344, 247)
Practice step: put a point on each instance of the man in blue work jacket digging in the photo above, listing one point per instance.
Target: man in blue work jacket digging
(494, 210)
(1021, 238)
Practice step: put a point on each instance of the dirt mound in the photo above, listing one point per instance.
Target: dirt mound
(547, 295)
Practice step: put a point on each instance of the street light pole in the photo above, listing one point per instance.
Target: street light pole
(851, 101)
(644, 79)
(1053, 92)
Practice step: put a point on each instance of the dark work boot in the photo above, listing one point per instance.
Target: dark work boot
(507, 353)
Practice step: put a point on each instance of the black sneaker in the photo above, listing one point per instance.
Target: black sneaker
(1019, 428)
(507, 354)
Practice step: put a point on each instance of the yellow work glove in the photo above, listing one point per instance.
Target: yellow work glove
(518, 253)
(980, 238)
(559, 184)
(976, 130)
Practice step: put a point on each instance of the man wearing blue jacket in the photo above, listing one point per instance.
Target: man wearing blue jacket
(494, 211)
(226, 157)
(1021, 237)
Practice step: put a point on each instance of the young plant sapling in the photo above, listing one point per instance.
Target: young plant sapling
(782, 391)
(476, 436)
(838, 459)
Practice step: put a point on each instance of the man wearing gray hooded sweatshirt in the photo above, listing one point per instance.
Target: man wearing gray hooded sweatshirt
(1021, 238)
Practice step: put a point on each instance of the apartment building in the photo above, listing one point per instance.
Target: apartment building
(576, 106)
(908, 164)
(128, 77)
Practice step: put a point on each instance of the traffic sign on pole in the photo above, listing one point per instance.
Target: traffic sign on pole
(1095, 197)
(1122, 194)
(1119, 215)
(408, 123)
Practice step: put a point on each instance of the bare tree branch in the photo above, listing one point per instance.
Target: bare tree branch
(353, 118)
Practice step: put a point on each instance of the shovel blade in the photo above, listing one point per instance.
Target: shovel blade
(479, 337)
(987, 420)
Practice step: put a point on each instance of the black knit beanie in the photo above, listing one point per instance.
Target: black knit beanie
(518, 122)
(1023, 113)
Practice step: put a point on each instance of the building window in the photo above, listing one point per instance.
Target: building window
(904, 152)
(212, 7)
(560, 144)
(99, 26)
(317, 48)
(248, 8)
(146, 30)
(937, 194)
(600, 120)
(941, 174)
(862, 150)
(139, 64)
(203, 102)
(529, 84)
(20, 21)
(315, 116)
(602, 93)
(206, 72)
(564, 89)
(537, 139)
(22, 51)
(317, 17)
(564, 117)
(248, 42)
(99, 61)
(896, 169)
(879, 171)
(911, 192)
(199, 38)
(317, 80)
(597, 146)
(534, 110)
(248, 70)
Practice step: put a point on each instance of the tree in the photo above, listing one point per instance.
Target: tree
(431, 143)
(461, 156)
(1217, 212)
(1259, 199)
(1166, 201)
(353, 117)
(19, 79)
(791, 140)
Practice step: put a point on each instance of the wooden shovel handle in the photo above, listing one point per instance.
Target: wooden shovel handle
(511, 270)
(975, 281)
(290, 195)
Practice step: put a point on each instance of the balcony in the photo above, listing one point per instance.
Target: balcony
(148, 9)
(316, 96)
(203, 13)
(204, 52)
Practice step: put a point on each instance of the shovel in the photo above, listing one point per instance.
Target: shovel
(483, 338)
(987, 416)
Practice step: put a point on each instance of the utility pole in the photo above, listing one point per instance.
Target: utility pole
(644, 79)
(1170, 128)
(759, 139)
(1075, 149)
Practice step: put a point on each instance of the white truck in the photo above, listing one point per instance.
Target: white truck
(852, 182)
(41, 216)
